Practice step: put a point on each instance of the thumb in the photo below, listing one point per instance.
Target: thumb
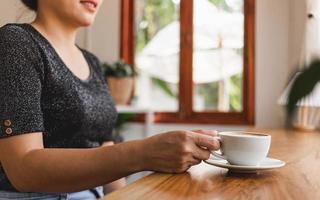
(207, 132)
(209, 142)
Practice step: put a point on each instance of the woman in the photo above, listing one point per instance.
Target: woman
(56, 114)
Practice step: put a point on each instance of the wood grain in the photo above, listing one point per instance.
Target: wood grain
(249, 62)
(127, 39)
(299, 179)
(186, 60)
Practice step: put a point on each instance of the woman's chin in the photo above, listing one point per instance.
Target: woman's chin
(85, 23)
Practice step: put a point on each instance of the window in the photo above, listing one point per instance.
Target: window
(195, 58)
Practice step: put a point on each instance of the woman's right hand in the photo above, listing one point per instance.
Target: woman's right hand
(177, 151)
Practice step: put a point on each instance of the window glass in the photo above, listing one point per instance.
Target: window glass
(157, 36)
(218, 55)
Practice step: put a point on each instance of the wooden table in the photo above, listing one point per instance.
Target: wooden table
(299, 179)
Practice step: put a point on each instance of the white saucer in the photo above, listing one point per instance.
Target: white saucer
(267, 164)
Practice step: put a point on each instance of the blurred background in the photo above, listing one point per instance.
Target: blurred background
(218, 54)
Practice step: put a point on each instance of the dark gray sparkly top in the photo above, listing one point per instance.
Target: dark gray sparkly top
(38, 93)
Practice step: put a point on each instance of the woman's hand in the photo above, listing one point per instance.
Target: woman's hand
(176, 152)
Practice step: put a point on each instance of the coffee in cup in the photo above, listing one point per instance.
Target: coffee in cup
(243, 148)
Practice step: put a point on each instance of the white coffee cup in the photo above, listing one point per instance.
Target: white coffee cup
(243, 148)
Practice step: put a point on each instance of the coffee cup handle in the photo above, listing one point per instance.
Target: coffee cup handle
(218, 155)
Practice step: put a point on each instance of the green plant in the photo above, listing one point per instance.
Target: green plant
(165, 87)
(119, 69)
(302, 86)
(122, 119)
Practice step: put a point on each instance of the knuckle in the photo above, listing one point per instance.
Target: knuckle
(200, 140)
(186, 150)
(216, 144)
(183, 136)
(198, 131)
(213, 144)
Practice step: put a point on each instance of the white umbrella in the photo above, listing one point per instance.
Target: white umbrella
(210, 65)
(212, 25)
(212, 28)
(165, 42)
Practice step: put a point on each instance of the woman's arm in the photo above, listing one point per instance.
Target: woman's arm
(110, 187)
(31, 168)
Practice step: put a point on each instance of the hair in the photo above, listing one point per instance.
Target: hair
(31, 4)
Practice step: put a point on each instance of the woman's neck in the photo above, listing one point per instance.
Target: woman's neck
(59, 34)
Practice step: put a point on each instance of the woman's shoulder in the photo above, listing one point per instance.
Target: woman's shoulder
(16, 39)
(14, 33)
(18, 50)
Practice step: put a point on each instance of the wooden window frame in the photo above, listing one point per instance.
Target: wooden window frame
(186, 113)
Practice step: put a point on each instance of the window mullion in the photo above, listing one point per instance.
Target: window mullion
(186, 59)
(127, 31)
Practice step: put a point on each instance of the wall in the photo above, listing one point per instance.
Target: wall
(101, 38)
(297, 25)
(104, 34)
(14, 11)
(272, 59)
(276, 49)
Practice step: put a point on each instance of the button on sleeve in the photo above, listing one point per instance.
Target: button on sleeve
(21, 82)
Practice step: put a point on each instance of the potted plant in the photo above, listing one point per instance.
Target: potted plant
(122, 119)
(120, 79)
(302, 86)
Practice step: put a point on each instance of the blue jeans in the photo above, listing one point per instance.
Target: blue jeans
(82, 195)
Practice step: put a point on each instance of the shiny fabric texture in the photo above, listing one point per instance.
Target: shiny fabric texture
(38, 93)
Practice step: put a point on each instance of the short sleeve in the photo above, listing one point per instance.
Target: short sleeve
(21, 77)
